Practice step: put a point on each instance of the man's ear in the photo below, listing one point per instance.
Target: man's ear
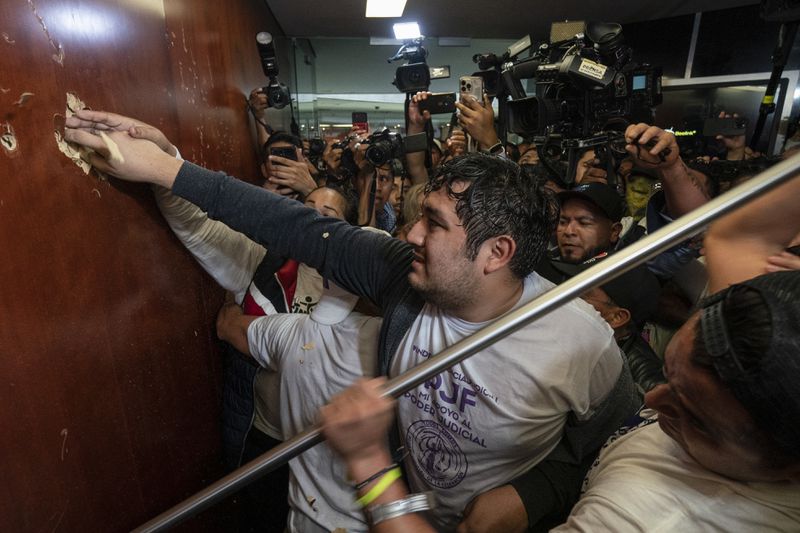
(616, 229)
(498, 252)
(618, 318)
(264, 170)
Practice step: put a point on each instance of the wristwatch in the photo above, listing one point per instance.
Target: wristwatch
(413, 503)
(494, 149)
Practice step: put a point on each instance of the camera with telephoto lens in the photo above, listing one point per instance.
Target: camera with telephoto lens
(415, 75)
(277, 93)
(384, 146)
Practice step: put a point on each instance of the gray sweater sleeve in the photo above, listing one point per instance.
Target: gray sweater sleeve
(363, 262)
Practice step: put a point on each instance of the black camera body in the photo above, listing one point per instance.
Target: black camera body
(415, 75)
(316, 147)
(585, 85)
(384, 146)
(277, 93)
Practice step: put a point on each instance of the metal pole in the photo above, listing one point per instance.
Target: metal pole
(605, 271)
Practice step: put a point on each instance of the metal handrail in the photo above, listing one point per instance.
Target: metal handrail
(611, 267)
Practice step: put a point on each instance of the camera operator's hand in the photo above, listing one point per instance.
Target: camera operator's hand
(589, 171)
(478, 121)
(258, 102)
(456, 144)
(594, 174)
(292, 175)
(736, 145)
(96, 121)
(331, 156)
(662, 151)
(417, 119)
(356, 135)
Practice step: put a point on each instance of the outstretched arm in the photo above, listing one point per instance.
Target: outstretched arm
(364, 263)
(739, 245)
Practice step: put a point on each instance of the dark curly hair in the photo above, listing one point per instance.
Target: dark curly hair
(499, 200)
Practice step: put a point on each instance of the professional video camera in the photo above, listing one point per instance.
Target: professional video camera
(415, 75)
(384, 146)
(277, 93)
(587, 90)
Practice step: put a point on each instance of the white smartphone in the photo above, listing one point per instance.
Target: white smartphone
(472, 86)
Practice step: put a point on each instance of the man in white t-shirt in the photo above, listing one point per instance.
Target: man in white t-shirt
(725, 452)
(315, 356)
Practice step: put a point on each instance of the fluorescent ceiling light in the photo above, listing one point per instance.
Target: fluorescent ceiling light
(406, 30)
(385, 8)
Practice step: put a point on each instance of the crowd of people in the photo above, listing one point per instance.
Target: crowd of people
(664, 398)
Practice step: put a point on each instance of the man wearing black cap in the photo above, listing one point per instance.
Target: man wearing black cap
(725, 451)
(588, 228)
(626, 303)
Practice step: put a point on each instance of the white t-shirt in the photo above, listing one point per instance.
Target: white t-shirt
(266, 386)
(316, 360)
(494, 416)
(645, 481)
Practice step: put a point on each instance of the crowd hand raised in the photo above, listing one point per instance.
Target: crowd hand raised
(651, 147)
(456, 143)
(478, 120)
(118, 154)
(499, 509)
(258, 102)
(417, 119)
(97, 121)
(357, 134)
(736, 145)
(356, 421)
(593, 173)
(331, 156)
(294, 175)
(782, 262)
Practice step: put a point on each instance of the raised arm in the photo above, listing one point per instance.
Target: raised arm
(364, 263)
(226, 255)
(417, 120)
(651, 147)
(738, 246)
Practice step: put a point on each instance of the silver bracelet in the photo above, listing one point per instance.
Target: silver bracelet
(413, 503)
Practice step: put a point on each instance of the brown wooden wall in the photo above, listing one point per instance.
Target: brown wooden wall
(109, 370)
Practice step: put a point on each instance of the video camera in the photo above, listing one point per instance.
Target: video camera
(277, 93)
(587, 91)
(583, 85)
(415, 75)
(384, 146)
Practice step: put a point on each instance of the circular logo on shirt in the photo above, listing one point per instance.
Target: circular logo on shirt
(436, 454)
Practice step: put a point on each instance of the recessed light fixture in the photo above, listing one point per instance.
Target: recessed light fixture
(385, 8)
(406, 30)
